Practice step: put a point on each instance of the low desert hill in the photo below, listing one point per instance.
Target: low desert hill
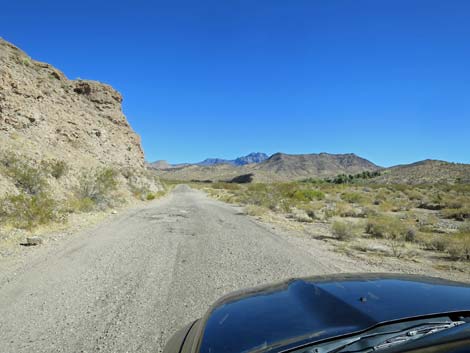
(426, 172)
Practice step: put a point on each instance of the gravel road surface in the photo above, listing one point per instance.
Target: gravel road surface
(127, 284)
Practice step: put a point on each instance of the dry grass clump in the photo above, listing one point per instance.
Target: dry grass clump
(255, 211)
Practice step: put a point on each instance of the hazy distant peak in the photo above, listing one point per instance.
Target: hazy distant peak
(254, 157)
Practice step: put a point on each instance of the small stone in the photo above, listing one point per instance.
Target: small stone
(34, 241)
(113, 212)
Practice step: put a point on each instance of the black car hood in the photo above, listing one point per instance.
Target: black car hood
(302, 311)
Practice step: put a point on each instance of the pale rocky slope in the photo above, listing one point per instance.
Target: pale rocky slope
(45, 116)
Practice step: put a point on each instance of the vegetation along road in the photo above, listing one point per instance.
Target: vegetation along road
(127, 284)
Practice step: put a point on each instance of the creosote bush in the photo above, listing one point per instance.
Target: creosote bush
(387, 227)
(307, 195)
(98, 186)
(343, 230)
(27, 178)
(459, 214)
(459, 246)
(29, 211)
(352, 197)
(56, 168)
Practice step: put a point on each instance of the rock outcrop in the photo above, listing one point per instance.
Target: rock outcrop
(44, 115)
(77, 121)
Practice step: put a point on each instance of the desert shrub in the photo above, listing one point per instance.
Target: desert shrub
(465, 227)
(307, 195)
(313, 210)
(458, 246)
(152, 196)
(127, 173)
(343, 230)
(225, 186)
(28, 211)
(459, 214)
(98, 185)
(265, 196)
(352, 197)
(84, 204)
(397, 247)
(56, 168)
(366, 212)
(27, 178)
(258, 187)
(433, 242)
(344, 209)
(414, 195)
(386, 227)
(410, 235)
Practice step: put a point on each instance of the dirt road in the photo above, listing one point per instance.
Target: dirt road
(129, 283)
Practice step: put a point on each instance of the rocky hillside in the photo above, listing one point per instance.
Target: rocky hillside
(279, 167)
(46, 117)
(319, 165)
(426, 172)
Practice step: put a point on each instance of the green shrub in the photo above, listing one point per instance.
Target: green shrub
(414, 195)
(307, 195)
(152, 196)
(387, 227)
(432, 241)
(84, 204)
(459, 214)
(28, 211)
(25, 177)
(458, 246)
(225, 186)
(352, 197)
(343, 230)
(98, 186)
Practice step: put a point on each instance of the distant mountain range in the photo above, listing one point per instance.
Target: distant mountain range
(256, 157)
(287, 167)
(278, 167)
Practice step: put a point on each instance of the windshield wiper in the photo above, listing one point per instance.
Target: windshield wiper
(410, 333)
(417, 333)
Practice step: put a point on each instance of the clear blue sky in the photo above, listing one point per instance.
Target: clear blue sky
(386, 79)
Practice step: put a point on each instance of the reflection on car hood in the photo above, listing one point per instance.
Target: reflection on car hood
(309, 310)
